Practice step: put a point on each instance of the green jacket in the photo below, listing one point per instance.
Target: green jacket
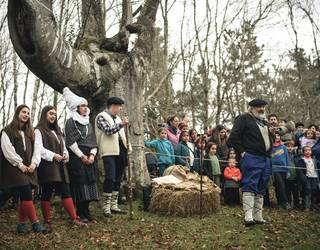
(182, 150)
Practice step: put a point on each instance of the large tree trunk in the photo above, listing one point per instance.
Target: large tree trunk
(87, 70)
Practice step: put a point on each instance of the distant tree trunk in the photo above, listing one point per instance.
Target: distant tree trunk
(15, 80)
(35, 98)
(97, 67)
(26, 86)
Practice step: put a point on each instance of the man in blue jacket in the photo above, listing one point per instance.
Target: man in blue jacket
(251, 138)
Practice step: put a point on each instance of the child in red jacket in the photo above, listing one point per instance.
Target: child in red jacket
(232, 177)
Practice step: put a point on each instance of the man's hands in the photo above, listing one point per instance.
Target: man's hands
(125, 120)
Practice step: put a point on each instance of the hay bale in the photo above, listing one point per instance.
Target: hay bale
(183, 198)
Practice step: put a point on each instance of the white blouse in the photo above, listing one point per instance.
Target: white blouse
(77, 151)
(42, 153)
(10, 153)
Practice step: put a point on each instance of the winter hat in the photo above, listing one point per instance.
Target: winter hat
(114, 100)
(257, 103)
(72, 100)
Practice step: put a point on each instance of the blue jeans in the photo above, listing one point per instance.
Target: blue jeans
(256, 171)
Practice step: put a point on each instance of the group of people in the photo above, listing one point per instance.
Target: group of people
(244, 158)
(63, 164)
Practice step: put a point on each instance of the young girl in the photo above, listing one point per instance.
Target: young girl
(82, 147)
(232, 177)
(182, 151)
(219, 137)
(164, 150)
(200, 145)
(309, 138)
(308, 175)
(52, 171)
(18, 167)
(211, 163)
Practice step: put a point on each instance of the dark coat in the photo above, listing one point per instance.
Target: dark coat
(207, 167)
(80, 173)
(246, 137)
(302, 169)
(182, 150)
(52, 171)
(12, 176)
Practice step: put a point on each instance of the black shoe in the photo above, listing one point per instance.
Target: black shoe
(38, 228)
(261, 222)
(84, 219)
(118, 211)
(249, 223)
(22, 228)
(108, 215)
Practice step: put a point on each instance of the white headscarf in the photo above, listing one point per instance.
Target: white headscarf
(73, 101)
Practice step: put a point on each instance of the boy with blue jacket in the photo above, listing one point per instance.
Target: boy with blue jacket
(280, 163)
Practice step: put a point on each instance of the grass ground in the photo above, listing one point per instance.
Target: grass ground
(223, 230)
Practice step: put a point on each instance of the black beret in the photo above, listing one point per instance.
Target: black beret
(114, 100)
(257, 103)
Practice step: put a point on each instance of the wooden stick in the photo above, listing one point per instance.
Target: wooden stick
(129, 173)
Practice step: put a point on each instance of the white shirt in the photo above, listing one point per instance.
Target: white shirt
(10, 153)
(311, 171)
(191, 151)
(42, 153)
(77, 151)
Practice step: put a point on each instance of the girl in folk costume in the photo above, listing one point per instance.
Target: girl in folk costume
(52, 171)
(82, 146)
(18, 166)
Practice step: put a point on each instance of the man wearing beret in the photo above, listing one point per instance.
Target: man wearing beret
(112, 144)
(251, 138)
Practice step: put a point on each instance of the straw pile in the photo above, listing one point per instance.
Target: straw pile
(183, 198)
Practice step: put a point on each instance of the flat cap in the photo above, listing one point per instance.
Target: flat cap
(257, 103)
(115, 100)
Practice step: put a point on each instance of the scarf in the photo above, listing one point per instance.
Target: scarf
(84, 120)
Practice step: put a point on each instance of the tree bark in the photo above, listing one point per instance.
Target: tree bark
(88, 71)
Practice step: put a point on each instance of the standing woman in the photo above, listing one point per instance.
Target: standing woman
(18, 167)
(220, 137)
(82, 146)
(52, 171)
(173, 132)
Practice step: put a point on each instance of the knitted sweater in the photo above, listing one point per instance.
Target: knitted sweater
(279, 159)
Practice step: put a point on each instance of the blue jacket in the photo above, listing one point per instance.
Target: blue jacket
(182, 150)
(164, 150)
(279, 159)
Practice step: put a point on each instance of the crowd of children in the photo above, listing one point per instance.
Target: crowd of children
(295, 161)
